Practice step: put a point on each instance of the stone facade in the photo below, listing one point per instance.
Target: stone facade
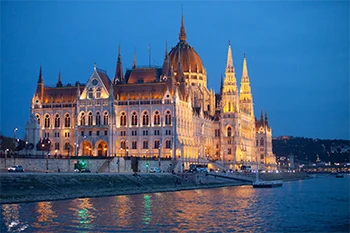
(153, 112)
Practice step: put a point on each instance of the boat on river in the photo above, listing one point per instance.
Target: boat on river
(267, 184)
(339, 175)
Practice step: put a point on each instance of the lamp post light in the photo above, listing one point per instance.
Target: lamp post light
(127, 154)
(56, 153)
(147, 160)
(42, 149)
(26, 148)
(118, 162)
(6, 152)
(159, 155)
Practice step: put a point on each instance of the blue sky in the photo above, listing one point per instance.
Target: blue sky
(297, 52)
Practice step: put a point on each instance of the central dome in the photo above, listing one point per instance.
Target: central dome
(190, 60)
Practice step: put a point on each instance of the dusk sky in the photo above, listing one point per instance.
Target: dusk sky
(297, 52)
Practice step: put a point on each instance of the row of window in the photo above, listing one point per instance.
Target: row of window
(156, 144)
(82, 133)
(145, 118)
(145, 132)
(57, 121)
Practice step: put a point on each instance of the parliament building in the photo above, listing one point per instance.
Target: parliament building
(163, 112)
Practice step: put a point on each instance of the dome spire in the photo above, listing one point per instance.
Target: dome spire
(182, 34)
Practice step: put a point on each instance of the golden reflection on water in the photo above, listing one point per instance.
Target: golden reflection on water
(45, 215)
(123, 210)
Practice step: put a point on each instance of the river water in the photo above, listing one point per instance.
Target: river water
(314, 205)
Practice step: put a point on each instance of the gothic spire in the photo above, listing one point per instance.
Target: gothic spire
(221, 84)
(119, 76)
(245, 69)
(245, 94)
(134, 63)
(266, 119)
(229, 64)
(182, 34)
(41, 79)
(59, 82)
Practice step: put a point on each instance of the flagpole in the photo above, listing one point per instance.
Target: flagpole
(149, 55)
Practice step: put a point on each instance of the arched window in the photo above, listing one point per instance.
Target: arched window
(105, 118)
(90, 118)
(261, 142)
(123, 119)
(98, 93)
(229, 132)
(156, 119)
(57, 145)
(229, 106)
(98, 118)
(167, 118)
(156, 144)
(91, 93)
(145, 145)
(122, 144)
(134, 118)
(38, 119)
(57, 121)
(168, 144)
(145, 120)
(47, 121)
(82, 119)
(67, 121)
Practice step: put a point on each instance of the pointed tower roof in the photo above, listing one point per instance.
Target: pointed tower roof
(41, 78)
(134, 63)
(221, 84)
(182, 34)
(229, 64)
(119, 75)
(245, 69)
(59, 82)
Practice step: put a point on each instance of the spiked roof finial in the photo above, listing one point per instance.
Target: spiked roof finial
(182, 34)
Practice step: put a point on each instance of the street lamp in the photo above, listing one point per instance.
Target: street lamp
(159, 155)
(127, 154)
(26, 148)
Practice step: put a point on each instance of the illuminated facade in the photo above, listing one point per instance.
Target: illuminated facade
(165, 112)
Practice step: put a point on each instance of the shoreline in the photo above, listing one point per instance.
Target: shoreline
(25, 188)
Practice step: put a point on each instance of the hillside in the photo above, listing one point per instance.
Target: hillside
(312, 150)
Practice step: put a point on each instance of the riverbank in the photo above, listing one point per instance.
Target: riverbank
(32, 187)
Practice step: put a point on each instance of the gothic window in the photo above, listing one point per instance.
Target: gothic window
(98, 118)
(57, 145)
(156, 144)
(229, 151)
(134, 118)
(82, 119)
(156, 118)
(98, 93)
(229, 132)
(47, 121)
(90, 118)
(38, 119)
(123, 119)
(168, 144)
(122, 144)
(134, 145)
(261, 142)
(145, 145)
(145, 120)
(67, 121)
(57, 121)
(91, 93)
(105, 118)
(167, 118)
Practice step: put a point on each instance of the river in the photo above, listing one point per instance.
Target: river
(314, 205)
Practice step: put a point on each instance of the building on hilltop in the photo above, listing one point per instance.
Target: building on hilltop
(155, 112)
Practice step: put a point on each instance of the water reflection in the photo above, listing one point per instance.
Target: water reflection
(147, 213)
(45, 215)
(295, 207)
(84, 214)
